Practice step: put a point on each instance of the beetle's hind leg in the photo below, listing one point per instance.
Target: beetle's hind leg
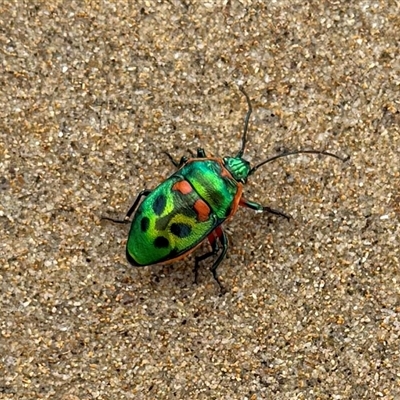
(201, 153)
(131, 210)
(218, 233)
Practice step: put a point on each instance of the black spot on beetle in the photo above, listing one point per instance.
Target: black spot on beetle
(159, 204)
(161, 242)
(144, 224)
(181, 230)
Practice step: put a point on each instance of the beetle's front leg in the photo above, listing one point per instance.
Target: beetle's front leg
(258, 207)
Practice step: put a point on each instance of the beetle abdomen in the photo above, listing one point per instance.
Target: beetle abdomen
(172, 220)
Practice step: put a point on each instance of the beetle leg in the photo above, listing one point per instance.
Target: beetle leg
(258, 207)
(143, 193)
(214, 246)
(219, 234)
(179, 164)
(201, 153)
(224, 242)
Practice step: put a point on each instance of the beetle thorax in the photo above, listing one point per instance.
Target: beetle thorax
(238, 167)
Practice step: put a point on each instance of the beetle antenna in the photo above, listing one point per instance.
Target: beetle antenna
(290, 153)
(246, 124)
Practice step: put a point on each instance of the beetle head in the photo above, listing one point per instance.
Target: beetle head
(238, 167)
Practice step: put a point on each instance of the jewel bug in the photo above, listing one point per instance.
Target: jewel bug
(192, 204)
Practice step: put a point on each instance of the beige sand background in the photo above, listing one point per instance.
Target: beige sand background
(92, 92)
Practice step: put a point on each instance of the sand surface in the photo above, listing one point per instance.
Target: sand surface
(92, 93)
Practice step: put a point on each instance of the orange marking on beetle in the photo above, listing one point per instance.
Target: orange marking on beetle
(183, 187)
(202, 210)
(211, 238)
(236, 201)
(216, 233)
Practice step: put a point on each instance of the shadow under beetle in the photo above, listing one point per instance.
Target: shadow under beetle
(191, 205)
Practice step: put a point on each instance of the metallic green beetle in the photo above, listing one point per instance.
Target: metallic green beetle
(191, 205)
